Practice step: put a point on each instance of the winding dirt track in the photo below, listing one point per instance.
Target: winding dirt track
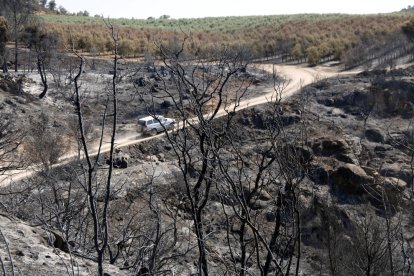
(298, 77)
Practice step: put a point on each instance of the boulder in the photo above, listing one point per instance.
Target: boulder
(394, 188)
(392, 97)
(375, 135)
(166, 104)
(120, 161)
(382, 148)
(253, 118)
(58, 242)
(319, 175)
(302, 152)
(394, 183)
(351, 102)
(350, 178)
(396, 170)
(161, 157)
(347, 158)
(335, 147)
(369, 170)
(326, 146)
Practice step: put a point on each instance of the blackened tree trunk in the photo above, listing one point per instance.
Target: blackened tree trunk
(42, 71)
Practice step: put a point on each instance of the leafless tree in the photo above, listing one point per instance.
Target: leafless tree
(195, 89)
(369, 248)
(211, 160)
(150, 239)
(276, 171)
(100, 220)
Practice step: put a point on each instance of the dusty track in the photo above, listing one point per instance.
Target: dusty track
(297, 76)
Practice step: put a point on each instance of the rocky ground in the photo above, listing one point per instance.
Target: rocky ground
(29, 250)
(359, 144)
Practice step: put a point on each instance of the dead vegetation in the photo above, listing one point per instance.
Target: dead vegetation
(319, 184)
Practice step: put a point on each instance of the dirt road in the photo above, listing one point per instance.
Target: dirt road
(297, 76)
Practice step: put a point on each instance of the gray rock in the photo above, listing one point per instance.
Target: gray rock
(120, 161)
(337, 148)
(382, 148)
(161, 157)
(369, 170)
(396, 170)
(395, 183)
(319, 175)
(257, 204)
(166, 104)
(347, 158)
(330, 146)
(350, 179)
(375, 135)
(395, 189)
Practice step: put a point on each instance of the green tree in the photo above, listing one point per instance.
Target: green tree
(84, 43)
(52, 5)
(314, 55)
(325, 50)
(126, 48)
(338, 48)
(297, 52)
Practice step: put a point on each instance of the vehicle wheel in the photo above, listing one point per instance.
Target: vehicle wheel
(154, 132)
